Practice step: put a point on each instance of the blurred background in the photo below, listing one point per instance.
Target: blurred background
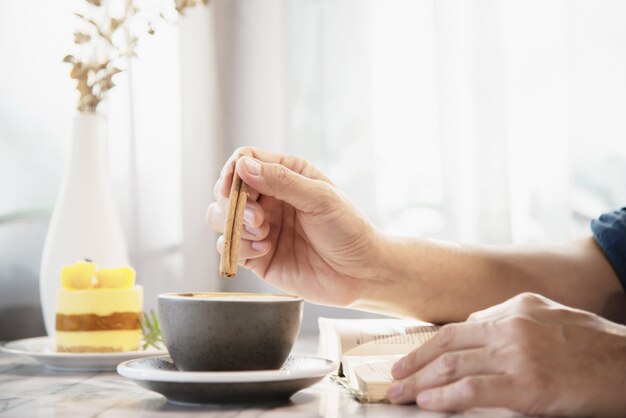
(483, 121)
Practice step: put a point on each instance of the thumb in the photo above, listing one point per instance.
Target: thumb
(278, 181)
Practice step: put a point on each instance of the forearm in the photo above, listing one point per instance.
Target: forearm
(444, 282)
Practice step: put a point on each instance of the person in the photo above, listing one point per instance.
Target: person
(536, 329)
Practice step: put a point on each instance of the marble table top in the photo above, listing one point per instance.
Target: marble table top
(27, 389)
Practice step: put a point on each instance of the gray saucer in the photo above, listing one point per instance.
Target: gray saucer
(159, 374)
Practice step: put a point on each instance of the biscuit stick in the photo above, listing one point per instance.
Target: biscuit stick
(234, 224)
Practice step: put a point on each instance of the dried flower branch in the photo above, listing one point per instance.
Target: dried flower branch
(181, 5)
(106, 41)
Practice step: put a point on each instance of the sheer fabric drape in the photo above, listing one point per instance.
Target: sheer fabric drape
(485, 121)
(480, 121)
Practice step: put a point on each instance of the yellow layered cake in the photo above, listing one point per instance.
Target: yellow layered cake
(98, 310)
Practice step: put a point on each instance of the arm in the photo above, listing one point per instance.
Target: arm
(443, 282)
(303, 236)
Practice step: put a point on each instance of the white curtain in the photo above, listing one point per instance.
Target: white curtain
(485, 121)
(481, 121)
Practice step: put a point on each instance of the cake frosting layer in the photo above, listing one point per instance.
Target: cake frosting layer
(101, 302)
(98, 341)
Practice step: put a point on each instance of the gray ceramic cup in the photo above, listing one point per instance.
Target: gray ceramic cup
(229, 331)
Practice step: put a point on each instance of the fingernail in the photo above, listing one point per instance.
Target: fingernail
(395, 391)
(423, 398)
(252, 166)
(252, 231)
(258, 246)
(248, 215)
(397, 368)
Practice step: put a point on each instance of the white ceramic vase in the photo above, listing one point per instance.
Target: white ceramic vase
(85, 221)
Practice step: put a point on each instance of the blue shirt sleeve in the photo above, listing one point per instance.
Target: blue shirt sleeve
(609, 230)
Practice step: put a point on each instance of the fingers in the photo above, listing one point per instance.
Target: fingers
(255, 227)
(248, 249)
(290, 179)
(295, 164)
(222, 185)
(276, 180)
(445, 369)
(451, 337)
(470, 392)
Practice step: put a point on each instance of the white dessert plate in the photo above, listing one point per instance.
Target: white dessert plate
(43, 350)
(159, 374)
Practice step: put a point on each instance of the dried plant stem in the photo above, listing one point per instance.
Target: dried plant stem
(105, 41)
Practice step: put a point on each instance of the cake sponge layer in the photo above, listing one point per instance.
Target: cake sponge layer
(98, 341)
(100, 302)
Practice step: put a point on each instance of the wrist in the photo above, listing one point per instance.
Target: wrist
(423, 279)
(391, 278)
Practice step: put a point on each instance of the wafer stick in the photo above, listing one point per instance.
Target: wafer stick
(234, 224)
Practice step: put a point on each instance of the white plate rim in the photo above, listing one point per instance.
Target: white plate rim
(8, 347)
(170, 376)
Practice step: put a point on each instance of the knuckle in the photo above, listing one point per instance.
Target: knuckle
(518, 352)
(213, 217)
(470, 388)
(281, 175)
(258, 214)
(289, 161)
(479, 316)
(520, 326)
(294, 163)
(473, 316)
(408, 386)
(448, 365)
(447, 334)
(264, 230)
(216, 189)
(243, 151)
(496, 352)
(522, 357)
(528, 300)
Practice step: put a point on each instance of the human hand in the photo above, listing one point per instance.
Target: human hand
(300, 233)
(528, 354)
